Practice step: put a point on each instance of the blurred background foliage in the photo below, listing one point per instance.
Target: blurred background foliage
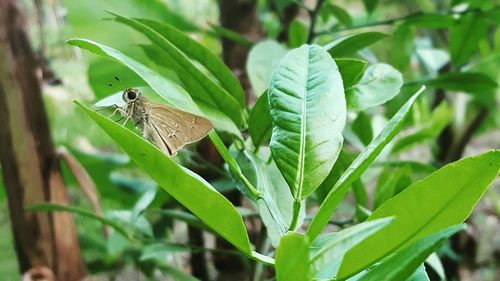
(419, 48)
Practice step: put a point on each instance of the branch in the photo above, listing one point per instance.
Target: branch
(314, 16)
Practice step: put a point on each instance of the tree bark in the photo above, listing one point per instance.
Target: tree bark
(30, 167)
(240, 16)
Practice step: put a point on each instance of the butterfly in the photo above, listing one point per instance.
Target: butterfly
(167, 128)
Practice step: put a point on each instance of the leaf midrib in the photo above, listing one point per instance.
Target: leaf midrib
(302, 156)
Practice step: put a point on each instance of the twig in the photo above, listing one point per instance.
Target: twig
(314, 16)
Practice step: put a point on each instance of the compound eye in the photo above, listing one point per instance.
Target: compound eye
(131, 95)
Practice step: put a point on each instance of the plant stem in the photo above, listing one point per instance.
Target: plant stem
(296, 213)
(314, 16)
(233, 165)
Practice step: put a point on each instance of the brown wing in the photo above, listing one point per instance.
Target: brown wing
(170, 129)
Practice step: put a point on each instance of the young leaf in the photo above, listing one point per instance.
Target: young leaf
(444, 198)
(188, 188)
(263, 58)
(212, 93)
(403, 264)
(306, 99)
(349, 45)
(297, 34)
(351, 70)
(379, 84)
(327, 250)
(172, 93)
(291, 258)
(465, 34)
(259, 122)
(357, 167)
(201, 54)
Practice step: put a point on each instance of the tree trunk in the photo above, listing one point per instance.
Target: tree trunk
(44, 241)
(239, 16)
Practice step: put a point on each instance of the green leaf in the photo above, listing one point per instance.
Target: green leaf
(402, 46)
(291, 258)
(259, 122)
(370, 5)
(202, 55)
(360, 164)
(388, 184)
(351, 70)
(232, 36)
(465, 34)
(327, 250)
(297, 34)
(444, 198)
(419, 275)
(50, 207)
(349, 45)
(430, 20)
(263, 58)
(276, 203)
(173, 94)
(188, 188)
(379, 84)
(340, 13)
(440, 118)
(469, 82)
(403, 264)
(306, 99)
(362, 127)
(212, 92)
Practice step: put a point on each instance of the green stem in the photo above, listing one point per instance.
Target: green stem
(233, 165)
(296, 213)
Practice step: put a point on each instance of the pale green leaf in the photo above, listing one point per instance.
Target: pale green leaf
(306, 99)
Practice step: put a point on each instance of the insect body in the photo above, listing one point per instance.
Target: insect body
(167, 128)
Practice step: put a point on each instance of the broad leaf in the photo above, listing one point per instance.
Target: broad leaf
(328, 250)
(403, 264)
(172, 93)
(379, 84)
(202, 55)
(263, 58)
(360, 164)
(465, 34)
(291, 258)
(297, 34)
(259, 122)
(208, 90)
(351, 70)
(444, 198)
(306, 99)
(189, 189)
(370, 5)
(349, 45)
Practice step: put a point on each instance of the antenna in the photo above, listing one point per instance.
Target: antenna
(119, 82)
